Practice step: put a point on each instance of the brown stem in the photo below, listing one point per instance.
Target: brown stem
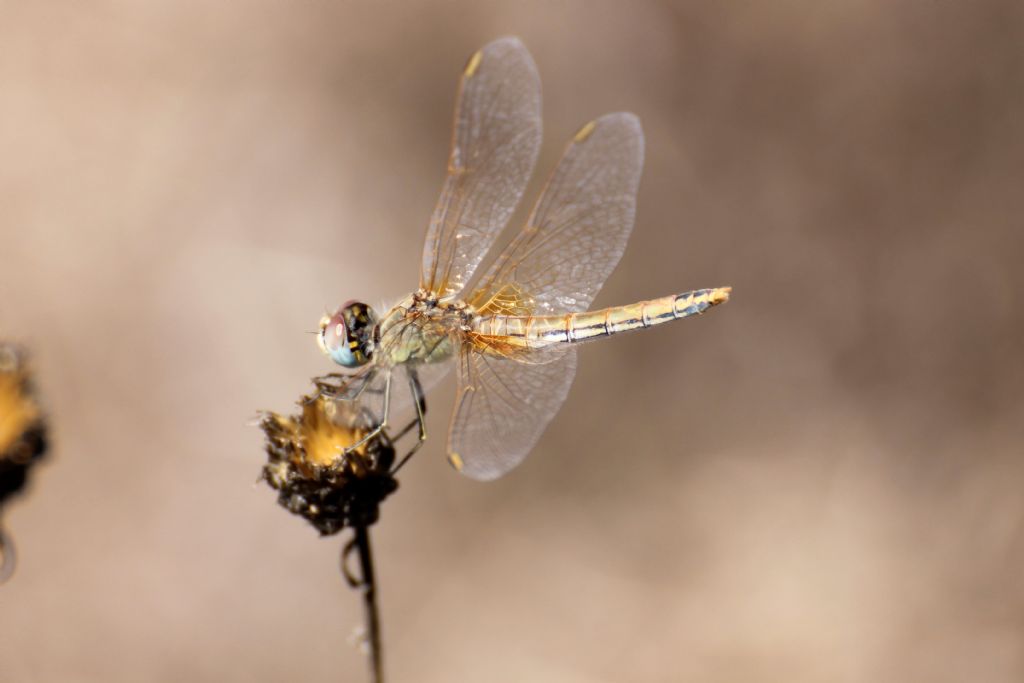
(7, 556)
(368, 585)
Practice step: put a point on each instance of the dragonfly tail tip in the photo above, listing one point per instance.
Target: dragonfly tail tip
(721, 295)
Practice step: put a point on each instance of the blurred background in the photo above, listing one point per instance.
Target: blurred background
(820, 481)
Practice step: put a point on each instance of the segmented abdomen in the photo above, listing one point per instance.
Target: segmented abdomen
(542, 330)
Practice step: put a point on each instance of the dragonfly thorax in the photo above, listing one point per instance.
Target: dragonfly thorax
(419, 330)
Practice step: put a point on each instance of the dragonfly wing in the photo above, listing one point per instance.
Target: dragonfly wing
(503, 405)
(579, 226)
(495, 141)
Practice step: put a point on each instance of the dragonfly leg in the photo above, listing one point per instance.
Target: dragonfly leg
(416, 388)
(325, 388)
(421, 411)
(380, 426)
(339, 387)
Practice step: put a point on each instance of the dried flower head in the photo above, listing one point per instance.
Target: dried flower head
(22, 428)
(307, 465)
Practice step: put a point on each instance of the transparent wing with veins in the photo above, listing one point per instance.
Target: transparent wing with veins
(503, 406)
(495, 141)
(578, 229)
(556, 264)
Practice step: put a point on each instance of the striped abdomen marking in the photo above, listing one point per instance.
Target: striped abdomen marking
(541, 330)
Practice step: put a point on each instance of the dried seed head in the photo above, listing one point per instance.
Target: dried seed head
(308, 466)
(22, 427)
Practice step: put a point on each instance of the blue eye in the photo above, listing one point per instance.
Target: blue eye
(347, 336)
(334, 336)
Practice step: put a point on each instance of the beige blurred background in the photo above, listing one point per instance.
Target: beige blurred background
(821, 481)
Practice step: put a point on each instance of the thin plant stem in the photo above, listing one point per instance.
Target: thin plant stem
(7, 556)
(368, 586)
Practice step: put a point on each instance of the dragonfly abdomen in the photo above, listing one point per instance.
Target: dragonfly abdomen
(542, 330)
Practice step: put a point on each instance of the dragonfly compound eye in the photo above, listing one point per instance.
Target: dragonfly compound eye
(347, 335)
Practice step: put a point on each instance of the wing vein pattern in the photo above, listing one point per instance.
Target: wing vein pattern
(495, 140)
(556, 264)
(579, 227)
(503, 407)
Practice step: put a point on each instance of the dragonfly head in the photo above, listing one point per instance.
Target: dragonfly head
(347, 335)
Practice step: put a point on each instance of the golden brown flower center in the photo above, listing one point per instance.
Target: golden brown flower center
(324, 434)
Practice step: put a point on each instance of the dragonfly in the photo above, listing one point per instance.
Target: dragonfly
(511, 332)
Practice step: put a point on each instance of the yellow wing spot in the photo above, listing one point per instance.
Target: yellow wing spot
(474, 64)
(456, 460)
(584, 132)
